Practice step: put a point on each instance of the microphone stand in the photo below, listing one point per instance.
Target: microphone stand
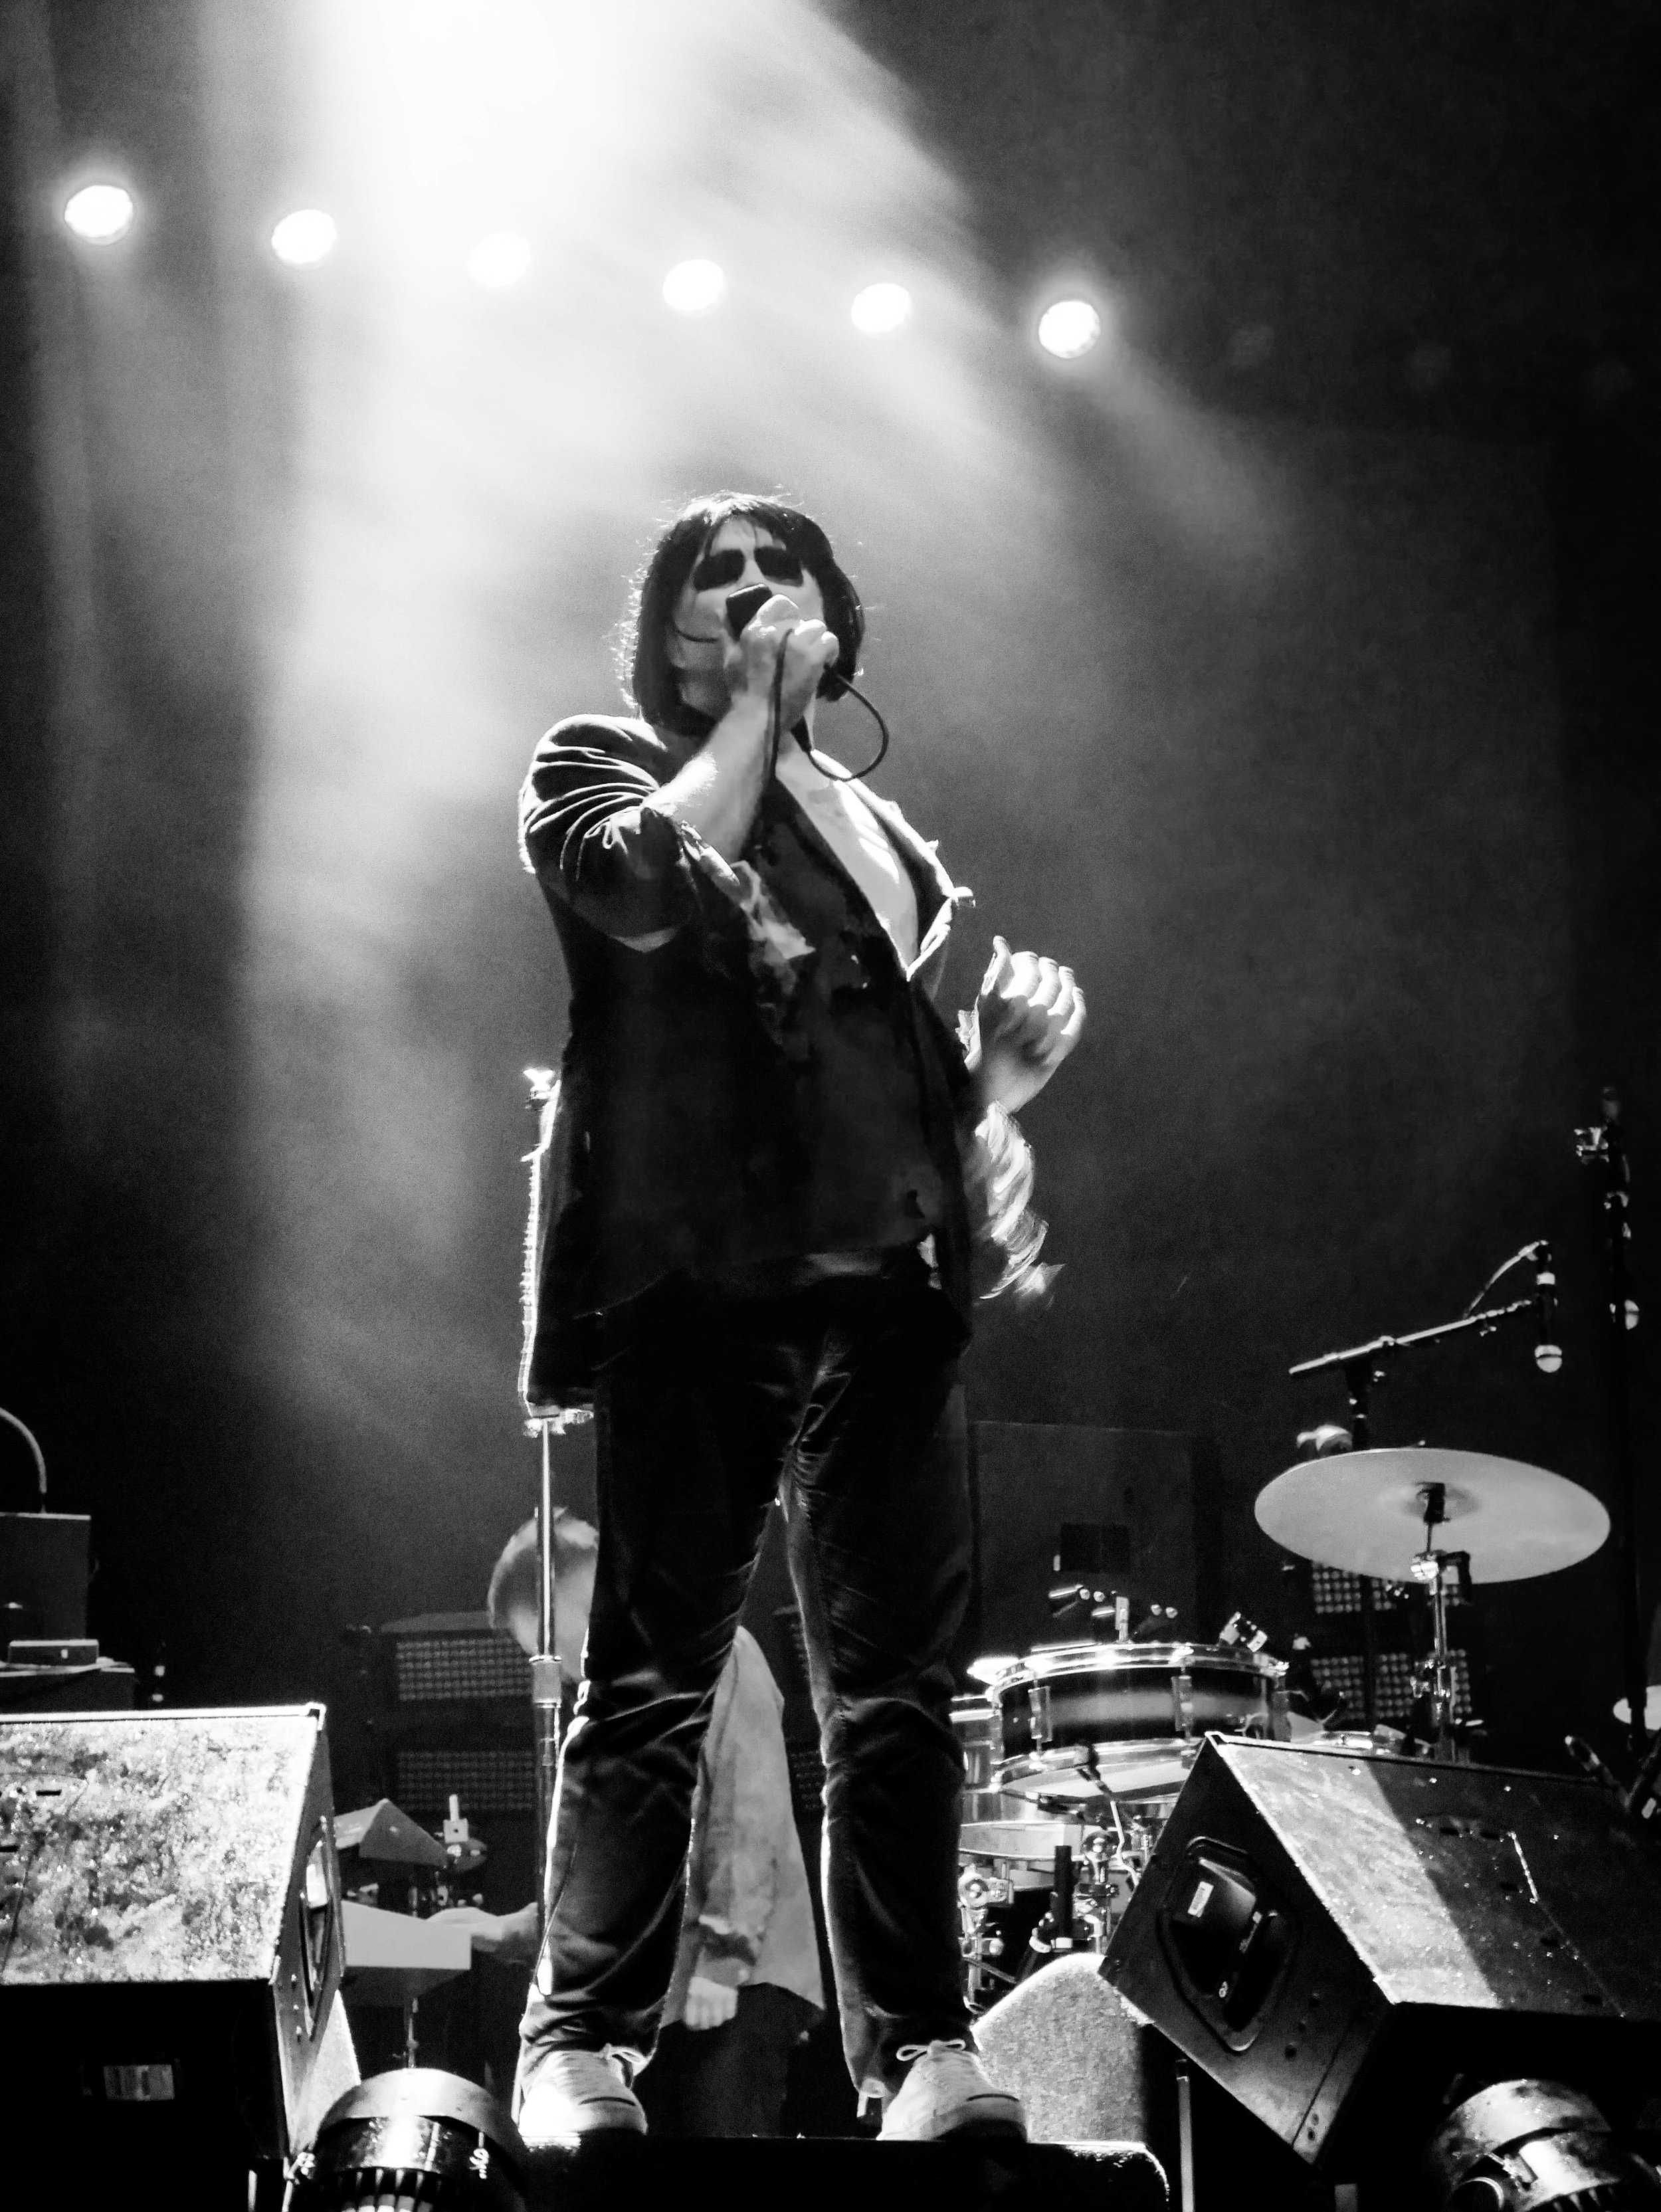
(1603, 1149)
(545, 1708)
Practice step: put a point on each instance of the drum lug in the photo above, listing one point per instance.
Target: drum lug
(1038, 1697)
(1182, 1701)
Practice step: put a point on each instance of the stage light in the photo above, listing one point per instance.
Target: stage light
(305, 237)
(1069, 328)
(499, 261)
(100, 214)
(693, 288)
(880, 307)
(418, 2135)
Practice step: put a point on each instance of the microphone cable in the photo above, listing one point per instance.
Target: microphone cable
(775, 734)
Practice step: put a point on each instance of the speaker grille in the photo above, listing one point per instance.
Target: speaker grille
(1332, 1590)
(486, 1777)
(1342, 1672)
(436, 1668)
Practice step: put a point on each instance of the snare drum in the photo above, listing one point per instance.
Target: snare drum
(1084, 1720)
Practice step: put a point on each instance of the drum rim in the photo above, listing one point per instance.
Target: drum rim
(1061, 1660)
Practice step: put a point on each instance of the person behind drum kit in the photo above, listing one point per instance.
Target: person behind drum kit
(770, 1178)
(747, 1985)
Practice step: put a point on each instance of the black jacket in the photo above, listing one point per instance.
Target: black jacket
(764, 1083)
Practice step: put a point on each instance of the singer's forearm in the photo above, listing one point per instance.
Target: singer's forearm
(718, 790)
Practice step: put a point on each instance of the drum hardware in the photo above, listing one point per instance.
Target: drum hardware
(1023, 1883)
(1109, 1614)
(1434, 1683)
(1182, 1702)
(1237, 1629)
(1109, 1610)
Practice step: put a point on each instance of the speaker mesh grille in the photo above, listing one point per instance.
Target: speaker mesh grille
(486, 1777)
(438, 1669)
(1393, 1674)
(1332, 1590)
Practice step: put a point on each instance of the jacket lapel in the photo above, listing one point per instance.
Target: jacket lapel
(937, 896)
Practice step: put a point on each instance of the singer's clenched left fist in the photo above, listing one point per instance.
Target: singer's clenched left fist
(709, 2003)
(1028, 1018)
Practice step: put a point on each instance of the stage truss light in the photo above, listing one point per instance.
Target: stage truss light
(304, 238)
(693, 288)
(880, 308)
(100, 214)
(1069, 328)
(500, 261)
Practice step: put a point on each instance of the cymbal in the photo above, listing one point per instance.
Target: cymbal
(1364, 1512)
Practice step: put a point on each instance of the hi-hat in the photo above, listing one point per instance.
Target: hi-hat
(1364, 1512)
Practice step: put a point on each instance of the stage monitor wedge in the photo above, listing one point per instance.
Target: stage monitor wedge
(170, 1923)
(1337, 1937)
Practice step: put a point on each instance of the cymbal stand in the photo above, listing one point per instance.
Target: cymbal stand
(1436, 1683)
(1604, 1148)
(1362, 1365)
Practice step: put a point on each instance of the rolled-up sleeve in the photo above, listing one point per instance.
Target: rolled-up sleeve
(594, 841)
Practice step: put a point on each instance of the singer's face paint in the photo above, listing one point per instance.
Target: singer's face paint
(737, 556)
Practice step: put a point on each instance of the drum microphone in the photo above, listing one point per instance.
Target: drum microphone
(1548, 1352)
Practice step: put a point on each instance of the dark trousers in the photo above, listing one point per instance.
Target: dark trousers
(730, 2080)
(706, 1406)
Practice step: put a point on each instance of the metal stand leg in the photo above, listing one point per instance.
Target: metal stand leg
(1436, 1683)
(1186, 2134)
(545, 1676)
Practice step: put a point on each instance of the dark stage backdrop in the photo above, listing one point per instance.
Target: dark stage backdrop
(1299, 819)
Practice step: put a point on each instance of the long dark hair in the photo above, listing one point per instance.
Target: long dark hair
(652, 680)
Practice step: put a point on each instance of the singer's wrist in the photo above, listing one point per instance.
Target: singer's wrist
(745, 719)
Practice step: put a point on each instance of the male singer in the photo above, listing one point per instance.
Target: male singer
(770, 1184)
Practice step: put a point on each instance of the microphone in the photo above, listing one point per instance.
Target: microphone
(742, 607)
(1548, 1352)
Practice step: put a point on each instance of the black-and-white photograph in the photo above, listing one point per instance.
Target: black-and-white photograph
(830, 1104)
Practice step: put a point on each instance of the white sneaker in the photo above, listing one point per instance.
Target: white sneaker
(574, 2093)
(947, 2092)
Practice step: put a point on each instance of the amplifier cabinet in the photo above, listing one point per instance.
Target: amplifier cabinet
(1335, 1938)
(170, 1924)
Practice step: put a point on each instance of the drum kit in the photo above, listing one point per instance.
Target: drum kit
(1073, 1758)
(1074, 1754)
